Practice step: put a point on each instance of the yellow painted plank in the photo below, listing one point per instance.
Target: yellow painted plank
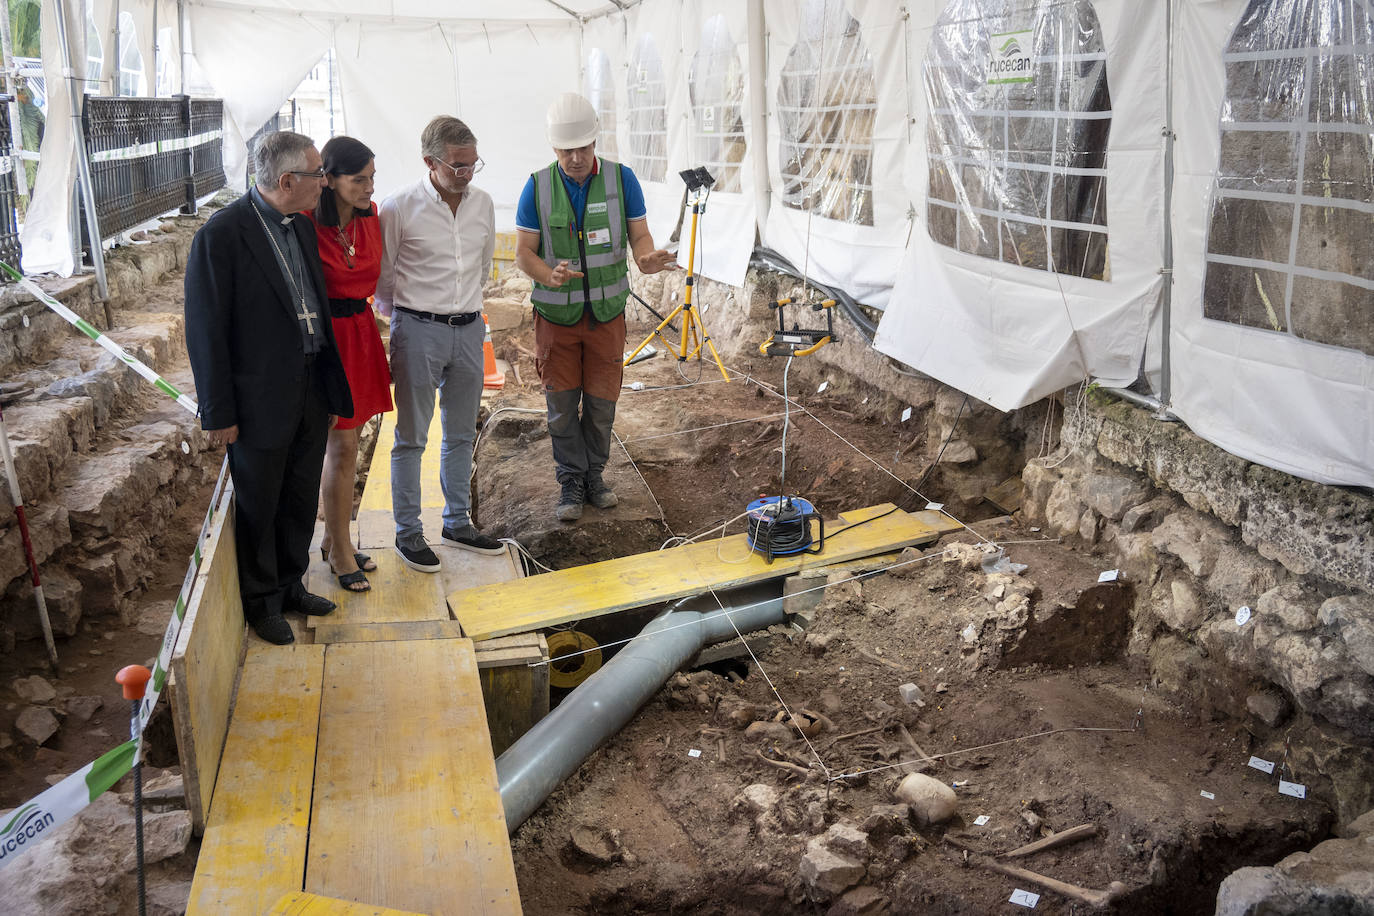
(386, 632)
(377, 493)
(301, 904)
(540, 601)
(254, 848)
(205, 663)
(398, 593)
(407, 809)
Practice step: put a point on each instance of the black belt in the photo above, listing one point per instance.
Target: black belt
(343, 308)
(453, 321)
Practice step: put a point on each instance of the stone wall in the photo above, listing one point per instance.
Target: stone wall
(1202, 534)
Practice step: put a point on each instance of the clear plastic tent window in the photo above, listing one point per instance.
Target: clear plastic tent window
(1020, 114)
(647, 112)
(827, 101)
(1290, 248)
(601, 93)
(716, 85)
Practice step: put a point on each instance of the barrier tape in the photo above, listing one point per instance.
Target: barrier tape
(58, 804)
(153, 147)
(94, 333)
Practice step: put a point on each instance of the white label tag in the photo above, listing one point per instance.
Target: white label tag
(1242, 616)
(708, 120)
(980, 820)
(694, 753)
(935, 507)
(1208, 795)
(1264, 766)
(599, 237)
(1024, 898)
(597, 207)
(1108, 576)
(1295, 789)
(906, 415)
(824, 385)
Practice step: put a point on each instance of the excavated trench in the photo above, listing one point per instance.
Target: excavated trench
(709, 802)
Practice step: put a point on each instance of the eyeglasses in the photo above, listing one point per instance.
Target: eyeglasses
(463, 171)
(317, 174)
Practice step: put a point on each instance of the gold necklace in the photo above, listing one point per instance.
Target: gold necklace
(346, 243)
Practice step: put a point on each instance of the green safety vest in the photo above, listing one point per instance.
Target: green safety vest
(606, 285)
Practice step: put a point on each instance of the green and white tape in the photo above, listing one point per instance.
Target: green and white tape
(153, 147)
(94, 333)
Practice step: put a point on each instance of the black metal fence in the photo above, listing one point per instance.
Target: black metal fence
(150, 156)
(9, 192)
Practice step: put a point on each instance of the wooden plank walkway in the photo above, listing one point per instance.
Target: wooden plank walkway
(636, 581)
(407, 808)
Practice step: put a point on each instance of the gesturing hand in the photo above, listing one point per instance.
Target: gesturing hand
(562, 274)
(655, 261)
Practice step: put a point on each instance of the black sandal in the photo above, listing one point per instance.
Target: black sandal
(348, 580)
(365, 562)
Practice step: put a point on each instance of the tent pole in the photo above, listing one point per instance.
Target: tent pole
(12, 87)
(181, 43)
(758, 104)
(1167, 293)
(118, 58)
(83, 165)
(153, 94)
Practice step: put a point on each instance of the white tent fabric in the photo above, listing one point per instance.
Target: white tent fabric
(1008, 334)
(476, 73)
(1303, 407)
(860, 258)
(49, 227)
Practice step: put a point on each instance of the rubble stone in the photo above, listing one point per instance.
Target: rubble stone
(827, 873)
(80, 709)
(1195, 539)
(1335, 879)
(860, 901)
(1146, 516)
(1185, 611)
(931, 801)
(37, 724)
(34, 689)
(1352, 618)
(848, 839)
(1239, 576)
(1270, 707)
(61, 597)
(1110, 494)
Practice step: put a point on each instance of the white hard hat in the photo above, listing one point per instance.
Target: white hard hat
(572, 122)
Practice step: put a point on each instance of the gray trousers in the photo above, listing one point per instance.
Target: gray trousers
(581, 444)
(428, 357)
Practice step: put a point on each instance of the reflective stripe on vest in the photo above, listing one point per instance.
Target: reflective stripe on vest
(602, 297)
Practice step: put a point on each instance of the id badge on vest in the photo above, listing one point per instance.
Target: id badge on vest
(599, 237)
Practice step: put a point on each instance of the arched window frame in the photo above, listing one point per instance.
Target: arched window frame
(716, 87)
(646, 112)
(132, 81)
(600, 89)
(1288, 242)
(827, 102)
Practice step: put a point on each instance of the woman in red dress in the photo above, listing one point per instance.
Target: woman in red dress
(350, 243)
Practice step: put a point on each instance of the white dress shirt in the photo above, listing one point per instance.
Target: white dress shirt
(435, 260)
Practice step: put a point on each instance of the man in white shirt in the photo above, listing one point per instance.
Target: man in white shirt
(438, 238)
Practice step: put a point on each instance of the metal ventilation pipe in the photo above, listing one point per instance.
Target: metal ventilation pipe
(549, 753)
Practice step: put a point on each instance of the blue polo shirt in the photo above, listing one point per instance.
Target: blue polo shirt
(527, 213)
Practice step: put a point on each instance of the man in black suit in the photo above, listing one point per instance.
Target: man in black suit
(268, 375)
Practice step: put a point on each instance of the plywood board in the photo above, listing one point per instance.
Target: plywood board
(407, 811)
(376, 533)
(205, 664)
(514, 673)
(254, 848)
(541, 601)
(386, 632)
(301, 904)
(398, 593)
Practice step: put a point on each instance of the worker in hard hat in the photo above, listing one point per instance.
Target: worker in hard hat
(578, 221)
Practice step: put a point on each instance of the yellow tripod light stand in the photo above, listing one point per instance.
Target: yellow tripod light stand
(693, 334)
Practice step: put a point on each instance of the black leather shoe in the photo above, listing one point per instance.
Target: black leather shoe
(311, 605)
(274, 629)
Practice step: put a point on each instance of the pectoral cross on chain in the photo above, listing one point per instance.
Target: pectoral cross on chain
(308, 317)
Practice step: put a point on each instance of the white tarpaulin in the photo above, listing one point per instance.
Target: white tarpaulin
(1011, 289)
(1281, 369)
(477, 73)
(839, 208)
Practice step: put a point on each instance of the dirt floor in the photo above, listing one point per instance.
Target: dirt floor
(649, 826)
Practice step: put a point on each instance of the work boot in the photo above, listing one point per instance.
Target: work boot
(598, 494)
(570, 501)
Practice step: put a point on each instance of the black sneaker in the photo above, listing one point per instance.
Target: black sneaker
(570, 501)
(416, 553)
(469, 538)
(274, 629)
(598, 494)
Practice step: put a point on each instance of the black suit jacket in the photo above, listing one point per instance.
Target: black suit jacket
(243, 333)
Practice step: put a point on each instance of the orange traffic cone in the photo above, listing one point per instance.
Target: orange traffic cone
(493, 378)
